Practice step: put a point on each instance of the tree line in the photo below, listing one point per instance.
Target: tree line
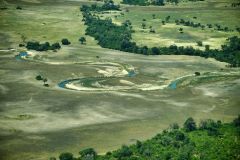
(110, 35)
(35, 45)
(153, 2)
(208, 140)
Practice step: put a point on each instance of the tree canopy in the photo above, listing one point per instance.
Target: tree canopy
(177, 143)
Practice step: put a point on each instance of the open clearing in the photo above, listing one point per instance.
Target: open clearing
(38, 122)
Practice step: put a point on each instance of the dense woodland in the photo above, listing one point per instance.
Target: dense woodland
(110, 35)
(207, 141)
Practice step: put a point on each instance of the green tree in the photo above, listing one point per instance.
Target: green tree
(190, 125)
(199, 43)
(155, 50)
(153, 16)
(65, 41)
(174, 126)
(45, 80)
(66, 156)
(125, 151)
(55, 46)
(88, 153)
(39, 77)
(236, 121)
(181, 30)
(207, 47)
(82, 40)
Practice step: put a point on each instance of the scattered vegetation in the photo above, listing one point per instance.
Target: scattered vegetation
(44, 79)
(210, 140)
(188, 23)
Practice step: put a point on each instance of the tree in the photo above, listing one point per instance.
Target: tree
(19, 7)
(174, 126)
(167, 18)
(180, 136)
(153, 16)
(152, 30)
(144, 50)
(89, 153)
(138, 144)
(173, 1)
(143, 25)
(181, 30)
(158, 2)
(21, 45)
(197, 73)
(55, 46)
(207, 47)
(199, 43)
(39, 77)
(125, 151)
(66, 156)
(190, 125)
(155, 50)
(42, 46)
(236, 121)
(82, 40)
(65, 41)
(45, 80)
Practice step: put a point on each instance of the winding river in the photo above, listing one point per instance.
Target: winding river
(113, 76)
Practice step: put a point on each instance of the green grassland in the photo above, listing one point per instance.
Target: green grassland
(169, 34)
(38, 122)
(39, 23)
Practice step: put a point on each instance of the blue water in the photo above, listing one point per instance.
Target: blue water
(173, 85)
(131, 73)
(20, 55)
(63, 83)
